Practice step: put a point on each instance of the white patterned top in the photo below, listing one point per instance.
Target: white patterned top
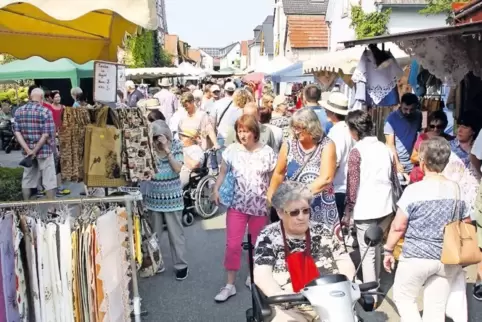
(269, 250)
(252, 172)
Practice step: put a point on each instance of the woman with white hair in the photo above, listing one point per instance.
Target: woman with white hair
(277, 268)
(78, 96)
(310, 158)
(163, 196)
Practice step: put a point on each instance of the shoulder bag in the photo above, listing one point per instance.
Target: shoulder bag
(226, 190)
(460, 245)
(224, 112)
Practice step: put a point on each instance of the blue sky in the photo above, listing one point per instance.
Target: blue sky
(215, 23)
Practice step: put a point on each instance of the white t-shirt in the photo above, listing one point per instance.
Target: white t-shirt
(477, 148)
(194, 152)
(174, 121)
(340, 135)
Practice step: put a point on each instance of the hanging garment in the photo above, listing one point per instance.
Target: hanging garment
(379, 81)
(113, 265)
(45, 282)
(21, 285)
(7, 258)
(53, 265)
(66, 273)
(75, 276)
(31, 253)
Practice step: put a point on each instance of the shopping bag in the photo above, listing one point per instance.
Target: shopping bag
(226, 191)
(460, 244)
(152, 257)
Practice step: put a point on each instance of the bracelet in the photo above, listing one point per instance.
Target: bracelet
(388, 251)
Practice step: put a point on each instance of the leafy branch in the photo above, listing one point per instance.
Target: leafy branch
(369, 24)
(435, 7)
(144, 50)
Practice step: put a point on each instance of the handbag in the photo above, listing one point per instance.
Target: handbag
(226, 191)
(301, 265)
(460, 245)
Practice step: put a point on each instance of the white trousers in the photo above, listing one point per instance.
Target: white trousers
(435, 278)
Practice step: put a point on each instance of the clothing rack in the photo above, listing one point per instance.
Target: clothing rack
(128, 201)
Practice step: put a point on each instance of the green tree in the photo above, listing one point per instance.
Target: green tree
(145, 51)
(6, 58)
(435, 7)
(369, 24)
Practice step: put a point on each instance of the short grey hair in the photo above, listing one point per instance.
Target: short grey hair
(309, 121)
(290, 191)
(37, 93)
(160, 127)
(435, 153)
(76, 91)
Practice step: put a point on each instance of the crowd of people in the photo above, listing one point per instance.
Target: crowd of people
(292, 178)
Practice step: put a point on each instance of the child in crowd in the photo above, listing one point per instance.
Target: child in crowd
(193, 154)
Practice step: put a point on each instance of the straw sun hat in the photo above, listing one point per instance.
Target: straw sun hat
(337, 103)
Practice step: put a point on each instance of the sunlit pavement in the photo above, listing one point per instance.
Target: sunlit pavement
(191, 300)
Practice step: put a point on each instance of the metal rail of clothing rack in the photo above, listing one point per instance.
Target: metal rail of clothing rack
(128, 201)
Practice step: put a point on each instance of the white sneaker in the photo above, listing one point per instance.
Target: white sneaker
(225, 293)
(248, 282)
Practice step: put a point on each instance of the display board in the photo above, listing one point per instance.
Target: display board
(105, 82)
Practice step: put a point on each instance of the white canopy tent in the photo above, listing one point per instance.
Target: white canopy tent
(188, 69)
(153, 72)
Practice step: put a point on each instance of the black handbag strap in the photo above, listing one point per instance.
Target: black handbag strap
(224, 112)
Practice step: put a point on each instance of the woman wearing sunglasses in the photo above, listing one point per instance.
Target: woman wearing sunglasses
(436, 124)
(295, 250)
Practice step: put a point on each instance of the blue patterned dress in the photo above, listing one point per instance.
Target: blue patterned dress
(164, 191)
(323, 207)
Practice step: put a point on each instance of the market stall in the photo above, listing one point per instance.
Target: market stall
(153, 72)
(451, 54)
(78, 30)
(82, 31)
(39, 68)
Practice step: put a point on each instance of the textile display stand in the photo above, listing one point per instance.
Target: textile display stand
(128, 201)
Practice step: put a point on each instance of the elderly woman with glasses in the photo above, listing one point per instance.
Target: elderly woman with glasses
(277, 269)
(163, 194)
(309, 157)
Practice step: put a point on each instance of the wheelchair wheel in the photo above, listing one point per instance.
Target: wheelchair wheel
(187, 218)
(203, 203)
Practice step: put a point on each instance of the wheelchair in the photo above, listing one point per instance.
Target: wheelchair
(198, 192)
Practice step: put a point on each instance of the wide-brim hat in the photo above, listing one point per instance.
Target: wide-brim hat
(337, 103)
(150, 104)
(164, 82)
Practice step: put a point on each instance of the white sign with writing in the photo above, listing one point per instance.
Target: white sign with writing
(105, 82)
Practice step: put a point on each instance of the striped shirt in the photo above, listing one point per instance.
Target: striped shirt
(33, 120)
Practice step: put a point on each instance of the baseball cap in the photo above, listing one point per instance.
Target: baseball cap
(229, 87)
(215, 88)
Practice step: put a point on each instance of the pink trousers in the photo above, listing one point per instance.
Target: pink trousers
(236, 223)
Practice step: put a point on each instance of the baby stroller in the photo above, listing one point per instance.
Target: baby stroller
(198, 193)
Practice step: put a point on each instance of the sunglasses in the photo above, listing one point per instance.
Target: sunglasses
(297, 212)
(436, 126)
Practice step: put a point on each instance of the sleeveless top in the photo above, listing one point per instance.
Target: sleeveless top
(323, 206)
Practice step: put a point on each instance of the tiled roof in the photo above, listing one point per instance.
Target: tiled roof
(308, 31)
(244, 48)
(195, 55)
(404, 2)
(218, 52)
(305, 7)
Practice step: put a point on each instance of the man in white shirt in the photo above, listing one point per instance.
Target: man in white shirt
(223, 116)
(336, 107)
(167, 100)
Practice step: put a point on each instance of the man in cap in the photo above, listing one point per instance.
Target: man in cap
(167, 100)
(336, 107)
(133, 95)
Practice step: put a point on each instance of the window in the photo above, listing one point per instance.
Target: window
(345, 8)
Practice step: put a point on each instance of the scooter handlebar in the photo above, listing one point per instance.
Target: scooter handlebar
(286, 298)
(365, 287)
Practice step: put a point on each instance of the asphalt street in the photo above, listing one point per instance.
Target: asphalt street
(191, 300)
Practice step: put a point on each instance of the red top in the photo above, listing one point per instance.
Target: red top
(56, 114)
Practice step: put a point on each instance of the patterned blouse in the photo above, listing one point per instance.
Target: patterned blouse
(269, 250)
(323, 206)
(252, 172)
(164, 191)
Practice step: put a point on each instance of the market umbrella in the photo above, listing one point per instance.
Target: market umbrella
(254, 77)
(81, 30)
(39, 68)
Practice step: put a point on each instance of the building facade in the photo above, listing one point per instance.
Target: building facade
(300, 31)
(214, 58)
(162, 21)
(404, 17)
